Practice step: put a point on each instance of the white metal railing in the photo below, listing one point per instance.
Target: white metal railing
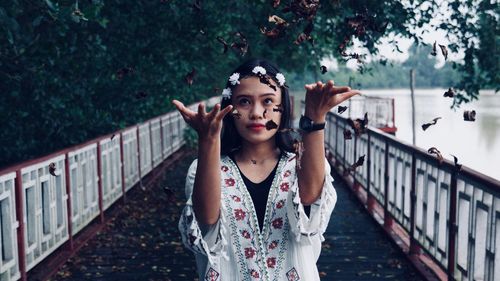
(48, 207)
(452, 214)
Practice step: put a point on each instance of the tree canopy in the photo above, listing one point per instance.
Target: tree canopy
(73, 70)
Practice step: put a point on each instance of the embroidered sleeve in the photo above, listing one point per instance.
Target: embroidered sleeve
(207, 240)
(317, 221)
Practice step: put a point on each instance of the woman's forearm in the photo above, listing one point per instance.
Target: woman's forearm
(312, 173)
(207, 188)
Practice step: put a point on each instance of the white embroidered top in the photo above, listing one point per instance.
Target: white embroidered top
(234, 248)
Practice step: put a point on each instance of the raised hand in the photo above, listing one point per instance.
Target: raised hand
(207, 125)
(321, 98)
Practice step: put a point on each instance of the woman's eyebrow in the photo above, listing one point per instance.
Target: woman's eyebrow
(249, 96)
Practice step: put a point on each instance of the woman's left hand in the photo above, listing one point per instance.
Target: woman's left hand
(321, 98)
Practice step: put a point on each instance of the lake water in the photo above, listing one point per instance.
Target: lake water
(476, 144)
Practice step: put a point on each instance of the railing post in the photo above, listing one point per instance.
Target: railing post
(122, 167)
(336, 140)
(138, 154)
(452, 227)
(151, 145)
(99, 182)
(20, 229)
(354, 181)
(370, 200)
(414, 247)
(387, 215)
(161, 139)
(69, 205)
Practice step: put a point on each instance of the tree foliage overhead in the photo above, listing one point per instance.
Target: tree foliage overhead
(73, 70)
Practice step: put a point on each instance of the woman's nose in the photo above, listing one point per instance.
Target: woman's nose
(257, 112)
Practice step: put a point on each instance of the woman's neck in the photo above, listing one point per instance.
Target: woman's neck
(258, 153)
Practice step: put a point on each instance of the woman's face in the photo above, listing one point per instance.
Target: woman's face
(255, 102)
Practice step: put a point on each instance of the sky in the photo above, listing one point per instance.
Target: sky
(388, 50)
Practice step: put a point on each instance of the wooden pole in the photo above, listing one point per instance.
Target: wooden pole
(412, 87)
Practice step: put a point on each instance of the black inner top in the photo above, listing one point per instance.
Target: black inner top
(260, 192)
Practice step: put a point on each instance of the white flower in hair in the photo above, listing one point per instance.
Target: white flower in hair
(226, 93)
(281, 79)
(234, 79)
(259, 69)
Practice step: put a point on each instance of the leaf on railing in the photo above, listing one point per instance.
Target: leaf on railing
(433, 122)
(470, 115)
(347, 134)
(457, 165)
(341, 109)
(52, 169)
(436, 152)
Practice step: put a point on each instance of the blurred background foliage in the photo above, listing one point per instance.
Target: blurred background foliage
(73, 70)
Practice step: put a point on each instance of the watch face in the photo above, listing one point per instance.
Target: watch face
(305, 123)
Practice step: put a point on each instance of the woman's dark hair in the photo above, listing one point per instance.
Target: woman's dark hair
(231, 139)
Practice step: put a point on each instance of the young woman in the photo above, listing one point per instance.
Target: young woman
(252, 213)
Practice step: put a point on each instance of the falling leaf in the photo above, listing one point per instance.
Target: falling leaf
(341, 109)
(323, 69)
(436, 152)
(444, 51)
(347, 134)
(278, 108)
(242, 45)
(359, 125)
(197, 5)
(322, 274)
(190, 77)
(141, 95)
(433, 122)
(450, 93)
(353, 167)
(236, 114)
(276, 3)
(264, 114)
(470, 115)
(434, 50)
(264, 79)
(457, 165)
(299, 151)
(277, 20)
(170, 194)
(122, 72)
(270, 125)
(112, 136)
(52, 169)
(273, 33)
(223, 42)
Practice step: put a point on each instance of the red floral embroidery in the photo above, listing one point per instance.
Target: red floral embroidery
(278, 223)
(245, 234)
(239, 214)
(287, 173)
(229, 182)
(249, 253)
(254, 273)
(284, 187)
(236, 198)
(271, 262)
(273, 244)
(280, 204)
(224, 168)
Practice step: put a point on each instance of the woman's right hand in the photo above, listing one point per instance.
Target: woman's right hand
(207, 125)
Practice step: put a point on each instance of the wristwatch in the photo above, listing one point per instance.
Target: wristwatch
(307, 125)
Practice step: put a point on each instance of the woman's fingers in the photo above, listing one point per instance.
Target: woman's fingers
(223, 113)
(339, 90)
(201, 109)
(348, 95)
(185, 112)
(214, 112)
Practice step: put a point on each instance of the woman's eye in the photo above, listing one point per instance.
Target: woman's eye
(268, 101)
(244, 102)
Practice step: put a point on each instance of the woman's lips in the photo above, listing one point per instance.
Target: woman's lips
(256, 127)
